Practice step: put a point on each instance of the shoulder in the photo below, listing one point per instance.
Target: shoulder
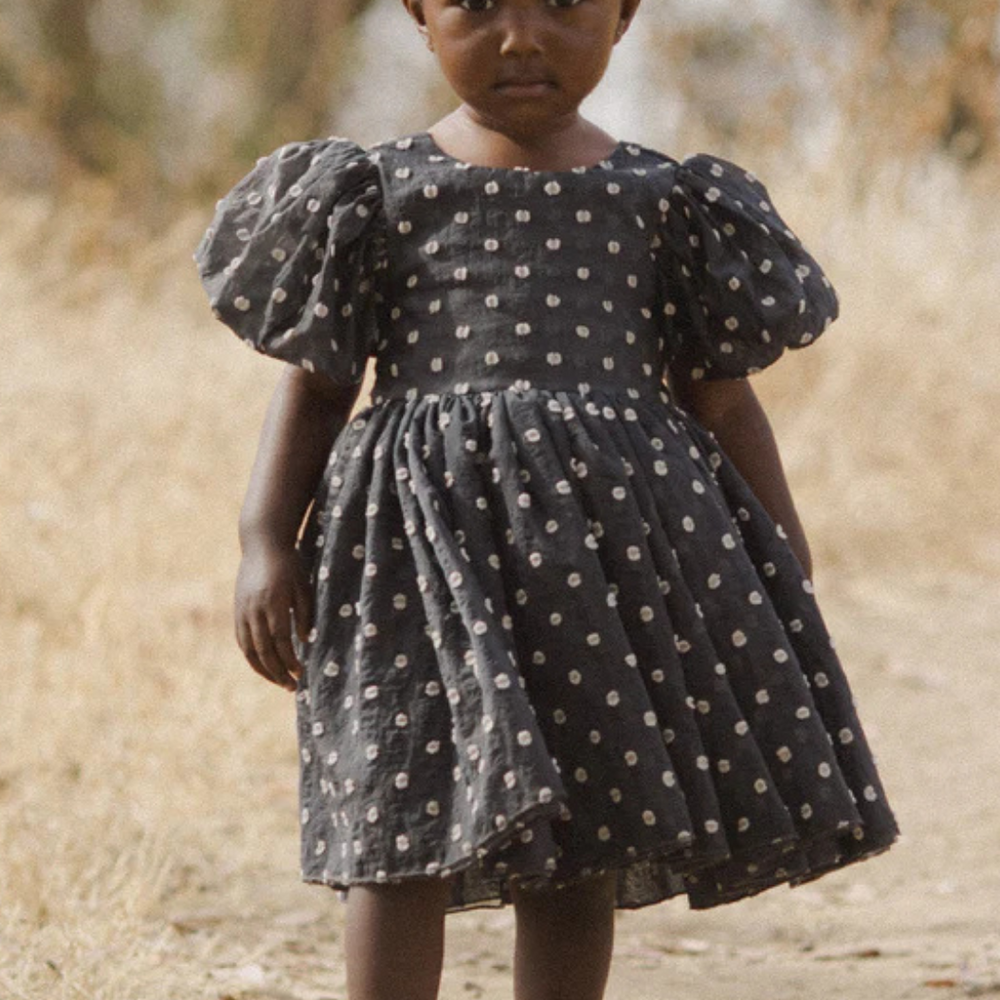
(318, 172)
(296, 205)
(333, 147)
(701, 174)
(636, 156)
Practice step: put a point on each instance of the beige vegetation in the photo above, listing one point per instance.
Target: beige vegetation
(148, 838)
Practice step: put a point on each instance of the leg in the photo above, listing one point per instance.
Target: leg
(564, 940)
(394, 940)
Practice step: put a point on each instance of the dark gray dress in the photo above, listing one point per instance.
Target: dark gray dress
(556, 633)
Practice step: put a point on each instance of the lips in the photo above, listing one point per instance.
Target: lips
(524, 85)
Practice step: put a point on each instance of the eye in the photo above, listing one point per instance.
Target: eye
(564, 3)
(477, 6)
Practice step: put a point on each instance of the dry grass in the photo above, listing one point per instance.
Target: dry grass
(888, 423)
(147, 814)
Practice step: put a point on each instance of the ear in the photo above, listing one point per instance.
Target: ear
(627, 13)
(415, 8)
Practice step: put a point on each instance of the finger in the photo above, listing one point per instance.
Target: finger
(244, 638)
(269, 658)
(253, 650)
(286, 652)
(281, 635)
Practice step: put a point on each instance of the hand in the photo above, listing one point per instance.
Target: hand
(270, 585)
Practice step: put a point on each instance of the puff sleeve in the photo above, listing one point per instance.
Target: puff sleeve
(292, 259)
(739, 287)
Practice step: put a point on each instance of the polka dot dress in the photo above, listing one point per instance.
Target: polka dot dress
(556, 633)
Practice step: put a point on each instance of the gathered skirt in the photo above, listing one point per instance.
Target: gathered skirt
(556, 634)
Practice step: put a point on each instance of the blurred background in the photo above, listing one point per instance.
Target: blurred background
(148, 841)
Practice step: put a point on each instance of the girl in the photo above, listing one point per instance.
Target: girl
(556, 642)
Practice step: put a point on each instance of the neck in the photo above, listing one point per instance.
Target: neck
(553, 144)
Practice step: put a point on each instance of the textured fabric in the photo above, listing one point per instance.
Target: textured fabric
(556, 632)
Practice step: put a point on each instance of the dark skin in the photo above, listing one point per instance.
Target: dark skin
(306, 413)
(520, 69)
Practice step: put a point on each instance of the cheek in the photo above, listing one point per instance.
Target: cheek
(464, 55)
(587, 55)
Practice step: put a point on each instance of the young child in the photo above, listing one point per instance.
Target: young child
(557, 644)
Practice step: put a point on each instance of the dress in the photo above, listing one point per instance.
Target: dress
(556, 633)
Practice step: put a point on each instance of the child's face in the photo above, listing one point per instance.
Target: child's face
(519, 64)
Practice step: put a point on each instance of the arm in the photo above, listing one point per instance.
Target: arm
(730, 410)
(302, 422)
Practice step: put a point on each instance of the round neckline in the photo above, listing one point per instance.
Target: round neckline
(435, 150)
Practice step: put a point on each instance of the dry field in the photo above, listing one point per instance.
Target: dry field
(148, 839)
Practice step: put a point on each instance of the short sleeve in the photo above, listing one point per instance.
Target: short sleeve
(291, 261)
(738, 286)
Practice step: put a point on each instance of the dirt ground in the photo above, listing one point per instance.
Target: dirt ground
(148, 822)
(920, 921)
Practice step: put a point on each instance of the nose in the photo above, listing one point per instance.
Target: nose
(520, 33)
